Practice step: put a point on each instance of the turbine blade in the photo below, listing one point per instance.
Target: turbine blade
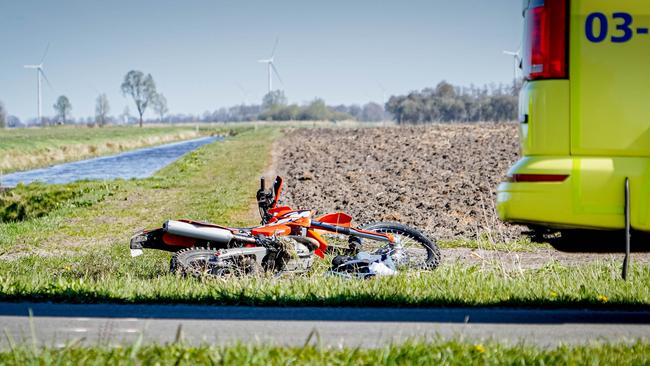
(277, 39)
(45, 53)
(277, 73)
(46, 79)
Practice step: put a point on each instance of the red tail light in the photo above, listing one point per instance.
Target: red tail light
(545, 40)
(533, 178)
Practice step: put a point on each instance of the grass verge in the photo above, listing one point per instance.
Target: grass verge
(112, 276)
(410, 353)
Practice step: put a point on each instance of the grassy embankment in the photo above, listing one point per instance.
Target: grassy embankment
(27, 148)
(435, 353)
(78, 252)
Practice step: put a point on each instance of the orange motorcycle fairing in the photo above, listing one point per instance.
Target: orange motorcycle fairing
(271, 230)
(337, 218)
(279, 211)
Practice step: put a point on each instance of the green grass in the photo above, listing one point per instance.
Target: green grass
(27, 148)
(112, 276)
(79, 252)
(26, 202)
(410, 353)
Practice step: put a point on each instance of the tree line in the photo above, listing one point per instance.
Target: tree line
(442, 103)
(275, 107)
(449, 103)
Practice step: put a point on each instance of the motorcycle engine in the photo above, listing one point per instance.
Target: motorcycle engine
(291, 254)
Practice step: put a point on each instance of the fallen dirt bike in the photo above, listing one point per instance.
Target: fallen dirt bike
(286, 241)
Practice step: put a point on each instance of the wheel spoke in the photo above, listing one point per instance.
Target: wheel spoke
(408, 252)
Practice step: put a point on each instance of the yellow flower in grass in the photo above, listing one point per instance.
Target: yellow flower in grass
(479, 348)
(553, 294)
(602, 298)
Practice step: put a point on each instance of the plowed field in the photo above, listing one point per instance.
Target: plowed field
(440, 178)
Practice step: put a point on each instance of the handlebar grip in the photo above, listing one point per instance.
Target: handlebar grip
(262, 185)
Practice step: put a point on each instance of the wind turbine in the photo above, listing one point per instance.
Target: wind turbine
(271, 66)
(39, 73)
(244, 93)
(516, 61)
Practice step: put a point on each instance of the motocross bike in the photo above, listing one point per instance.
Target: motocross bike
(287, 240)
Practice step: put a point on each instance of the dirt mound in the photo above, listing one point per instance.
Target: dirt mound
(441, 178)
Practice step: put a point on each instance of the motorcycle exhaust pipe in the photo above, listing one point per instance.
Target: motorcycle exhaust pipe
(213, 234)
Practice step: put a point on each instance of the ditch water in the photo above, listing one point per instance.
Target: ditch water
(139, 163)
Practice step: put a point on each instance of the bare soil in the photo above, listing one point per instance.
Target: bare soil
(440, 178)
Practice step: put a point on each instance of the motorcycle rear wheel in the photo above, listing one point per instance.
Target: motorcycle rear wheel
(203, 262)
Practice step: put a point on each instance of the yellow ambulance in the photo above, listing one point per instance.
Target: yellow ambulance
(584, 116)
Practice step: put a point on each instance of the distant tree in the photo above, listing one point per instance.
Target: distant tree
(503, 107)
(62, 108)
(393, 105)
(160, 105)
(315, 111)
(101, 109)
(445, 90)
(372, 112)
(448, 103)
(13, 121)
(282, 113)
(355, 111)
(273, 99)
(141, 88)
(206, 117)
(3, 115)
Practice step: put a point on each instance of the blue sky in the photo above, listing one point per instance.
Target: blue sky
(203, 53)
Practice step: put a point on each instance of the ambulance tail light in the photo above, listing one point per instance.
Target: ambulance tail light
(545, 40)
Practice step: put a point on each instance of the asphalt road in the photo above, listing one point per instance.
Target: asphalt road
(56, 324)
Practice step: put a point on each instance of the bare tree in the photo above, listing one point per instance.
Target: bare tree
(141, 88)
(3, 116)
(101, 109)
(62, 107)
(160, 106)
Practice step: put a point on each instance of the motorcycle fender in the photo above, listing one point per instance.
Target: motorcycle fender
(158, 239)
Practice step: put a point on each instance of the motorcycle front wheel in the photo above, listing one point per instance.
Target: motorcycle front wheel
(412, 250)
